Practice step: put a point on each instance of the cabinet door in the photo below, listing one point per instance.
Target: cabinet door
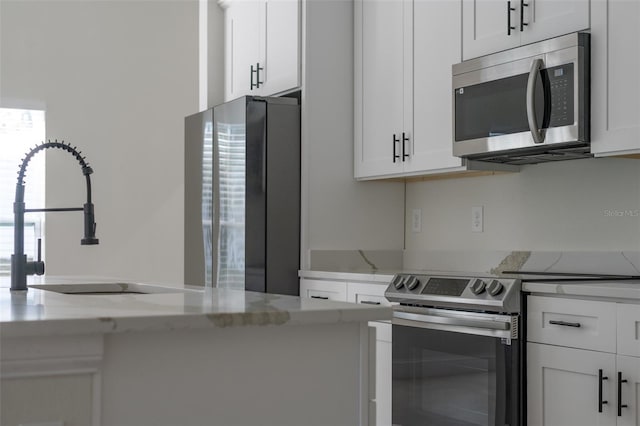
(282, 56)
(562, 386)
(551, 18)
(485, 26)
(437, 33)
(630, 395)
(380, 65)
(615, 53)
(244, 22)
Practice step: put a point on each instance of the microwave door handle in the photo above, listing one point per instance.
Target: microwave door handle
(538, 135)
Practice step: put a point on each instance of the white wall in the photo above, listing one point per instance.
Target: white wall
(116, 79)
(579, 205)
(338, 212)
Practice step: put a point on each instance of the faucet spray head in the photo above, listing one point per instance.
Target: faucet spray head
(89, 226)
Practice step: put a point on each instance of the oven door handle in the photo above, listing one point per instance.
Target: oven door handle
(538, 134)
(490, 327)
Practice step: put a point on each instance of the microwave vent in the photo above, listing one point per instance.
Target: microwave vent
(562, 154)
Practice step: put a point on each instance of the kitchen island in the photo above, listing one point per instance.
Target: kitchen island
(183, 357)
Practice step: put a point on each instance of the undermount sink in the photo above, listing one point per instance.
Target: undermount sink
(106, 288)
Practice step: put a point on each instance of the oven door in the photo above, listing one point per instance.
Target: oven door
(454, 368)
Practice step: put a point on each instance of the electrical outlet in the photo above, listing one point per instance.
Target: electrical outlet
(477, 219)
(416, 220)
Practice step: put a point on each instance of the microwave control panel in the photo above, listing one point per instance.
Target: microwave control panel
(560, 87)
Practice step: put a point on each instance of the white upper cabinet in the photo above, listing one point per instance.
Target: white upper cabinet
(404, 51)
(615, 67)
(485, 24)
(283, 46)
(545, 19)
(243, 47)
(494, 25)
(380, 86)
(434, 53)
(262, 47)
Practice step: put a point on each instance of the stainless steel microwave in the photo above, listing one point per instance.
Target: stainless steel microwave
(526, 105)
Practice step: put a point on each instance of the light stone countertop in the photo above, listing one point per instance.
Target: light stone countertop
(44, 312)
(368, 276)
(605, 289)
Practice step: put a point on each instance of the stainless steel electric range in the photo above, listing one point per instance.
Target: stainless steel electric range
(456, 350)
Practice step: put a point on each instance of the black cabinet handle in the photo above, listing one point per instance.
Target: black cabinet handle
(566, 324)
(509, 10)
(369, 302)
(405, 139)
(620, 404)
(320, 297)
(258, 69)
(600, 401)
(522, 23)
(395, 140)
(253, 85)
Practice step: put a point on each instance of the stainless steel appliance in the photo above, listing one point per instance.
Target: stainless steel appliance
(527, 105)
(242, 195)
(456, 350)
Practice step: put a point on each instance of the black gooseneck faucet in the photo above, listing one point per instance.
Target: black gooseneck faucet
(20, 267)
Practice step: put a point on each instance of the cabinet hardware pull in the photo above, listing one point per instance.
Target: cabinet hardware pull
(620, 404)
(566, 324)
(258, 69)
(320, 297)
(404, 141)
(600, 401)
(395, 140)
(509, 10)
(369, 302)
(522, 23)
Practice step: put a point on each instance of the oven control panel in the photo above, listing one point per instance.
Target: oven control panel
(481, 293)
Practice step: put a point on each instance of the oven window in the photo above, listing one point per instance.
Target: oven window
(450, 379)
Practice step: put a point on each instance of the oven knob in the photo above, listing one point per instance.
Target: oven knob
(397, 281)
(412, 282)
(495, 288)
(477, 286)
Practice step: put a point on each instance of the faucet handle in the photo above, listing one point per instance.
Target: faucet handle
(38, 265)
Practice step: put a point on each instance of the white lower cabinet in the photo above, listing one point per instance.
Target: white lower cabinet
(562, 386)
(366, 293)
(320, 289)
(630, 390)
(578, 372)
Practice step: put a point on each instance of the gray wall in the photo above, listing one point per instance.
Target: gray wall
(338, 212)
(579, 205)
(116, 79)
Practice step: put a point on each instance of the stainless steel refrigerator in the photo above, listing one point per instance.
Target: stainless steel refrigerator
(242, 195)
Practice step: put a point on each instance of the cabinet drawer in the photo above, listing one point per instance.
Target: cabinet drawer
(572, 323)
(367, 293)
(320, 289)
(629, 329)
